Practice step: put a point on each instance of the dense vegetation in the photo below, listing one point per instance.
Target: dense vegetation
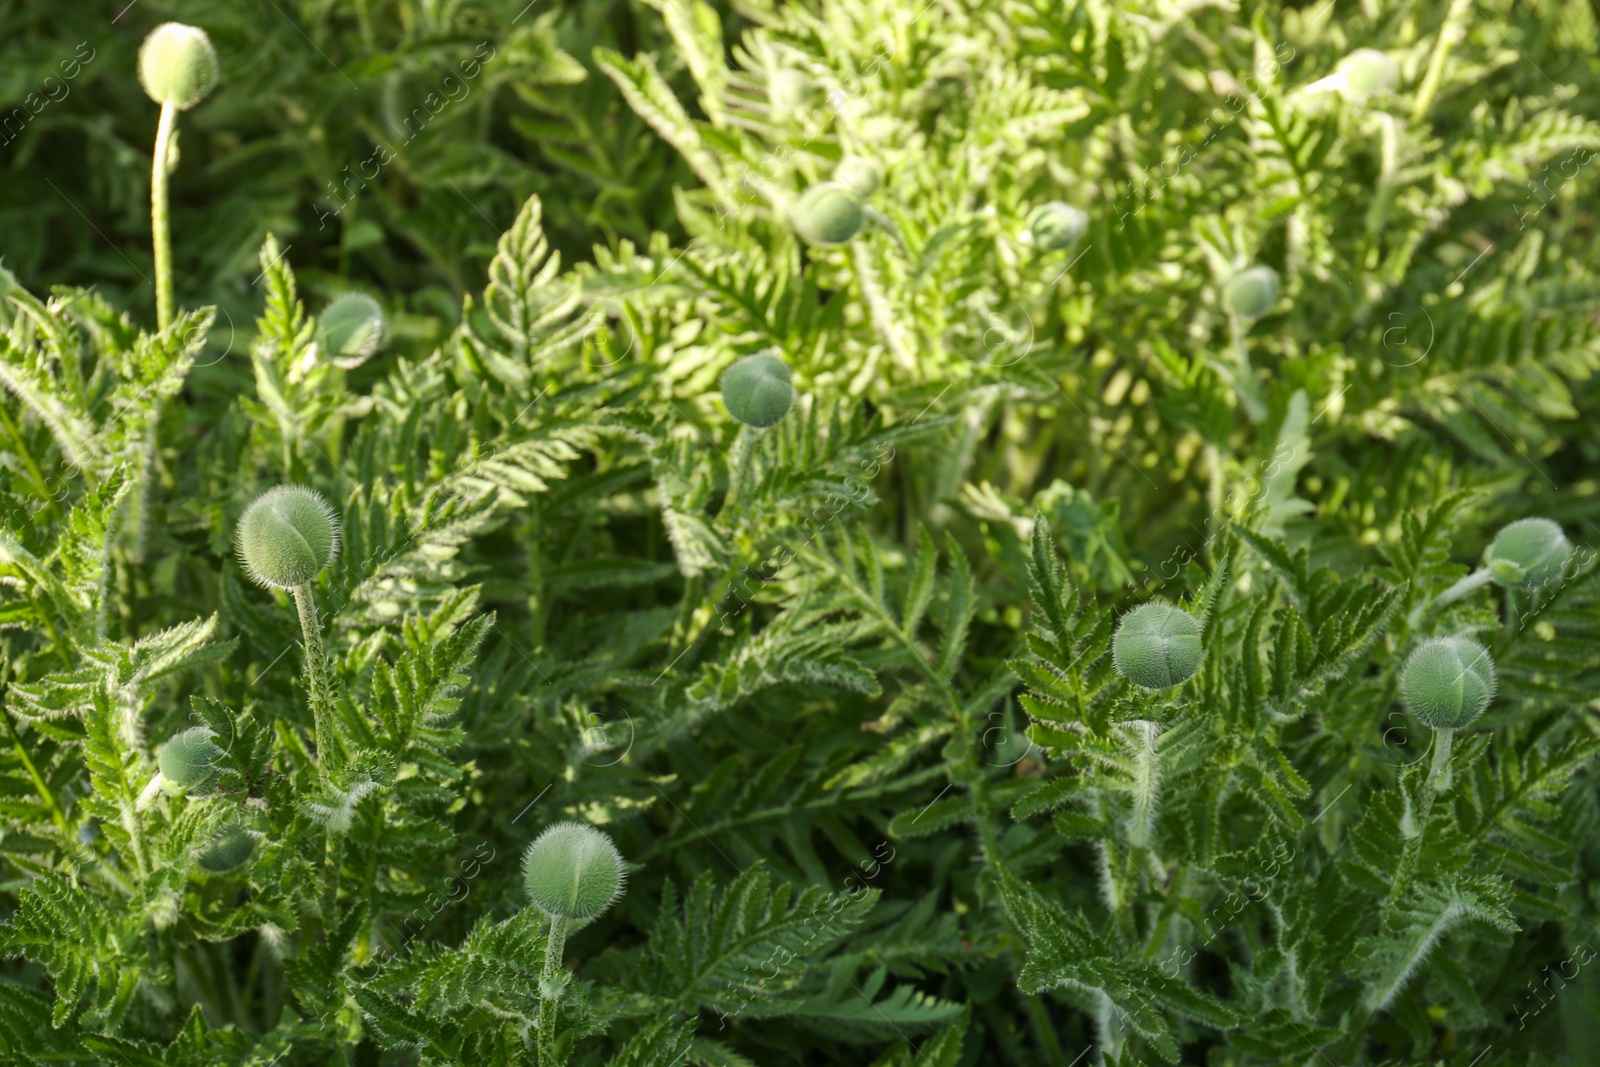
(859, 531)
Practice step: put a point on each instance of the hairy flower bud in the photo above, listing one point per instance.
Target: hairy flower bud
(287, 537)
(1157, 646)
(861, 176)
(350, 329)
(573, 871)
(1055, 225)
(828, 214)
(187, 759)
(177, 65)
(1527, 552)
(1448, 681)
(230, 851)
(757, 390)
(1251, 293)
(1368, 71)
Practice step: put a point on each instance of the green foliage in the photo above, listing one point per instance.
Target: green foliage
(844, 692)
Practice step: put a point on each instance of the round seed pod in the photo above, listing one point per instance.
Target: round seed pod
(861, 176)
(177, 65)
(757, 390)
(573, 871)
(1448, 681)
(187, 761)
(1251, 293)
(287, 536)
(1527, 552)
(1055, 225)
(230, 851)
(828, 214)
(1157, 646)
(1368, 71)
(350, 329)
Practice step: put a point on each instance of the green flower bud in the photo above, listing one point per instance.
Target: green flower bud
(861, 176)
(177, 65)
(1056, 225)
(287, 537)
(351, 329)
(230, 851)
(1251, 293)
(1367, 71)
(573, 871)
(1527, 552)
(1448, 681)
(1157, 646)
(186, 761)
(828, 214)
(757, 390)
(789, 88)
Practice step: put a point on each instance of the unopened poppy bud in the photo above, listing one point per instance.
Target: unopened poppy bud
(1056, 225)
(1251, 293)
(573, 871)
(177, 65)
(187, 761)
(350, 329)
(1157, 646)
(1448, 681)
(230, 851)
(287, 537)
(1366, 72)
(828, 214)
(757, 390)
(1527, 552)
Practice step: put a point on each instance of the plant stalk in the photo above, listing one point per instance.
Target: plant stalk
(1449, 30)
(316, 674)
(158, 215)
(548, 993)
(1439, 773)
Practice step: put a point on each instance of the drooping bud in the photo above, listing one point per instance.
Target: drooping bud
(828, 214)
(350, 329)
(287, 537)
(757, 390)
(187, 761)
(1157, 646)
(573, 871)
(1251, 293)
(1448, 681)
(1527, 552)
(860, 176)
(177, 65)
(1055, 225)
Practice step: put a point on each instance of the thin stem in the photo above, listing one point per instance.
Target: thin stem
(316, 673)
(549, 994)
(1449, 30)
(738, 462)
(1477, 578)
(158, 215)
(1249, 391)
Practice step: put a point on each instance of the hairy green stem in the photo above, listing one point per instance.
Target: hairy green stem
(316, 674)
(548, 993)
(158, 215)
(1439, 773)
(1476, 579)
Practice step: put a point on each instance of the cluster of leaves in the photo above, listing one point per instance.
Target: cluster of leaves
(842, 689)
